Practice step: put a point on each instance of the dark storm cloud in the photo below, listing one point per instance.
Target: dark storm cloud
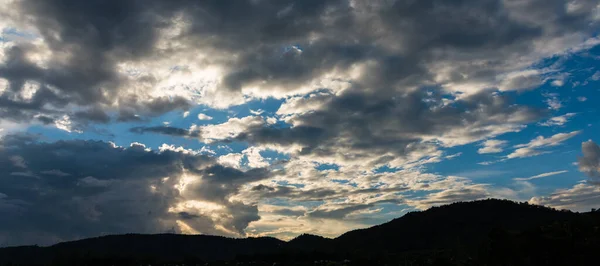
(99, 159)
(403, 38)
(94, 115)
(99, 193)
(306, 135)
(400, 59)
(99, 34)
(280, 44)
(359, 122)
(187, 216)
(219, 181)
(72, 189)
(95, 34)
(165, 130)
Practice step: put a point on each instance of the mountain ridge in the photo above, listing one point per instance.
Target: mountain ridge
(455, 232)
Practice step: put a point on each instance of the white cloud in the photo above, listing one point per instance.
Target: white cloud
(257, 112)
(207, 150)
(492, 146)
(450, 195)
(229, 129)
(271, 120)
(554, 103)
(539, 176)
(66, 124)
(595, 76)
(521, 80)
(557, 120)
(170, 147)
(233, 160)
(558, 83)
(202, 116)
(581, 197)
(534, 147)
(452, 156)
(255, 160)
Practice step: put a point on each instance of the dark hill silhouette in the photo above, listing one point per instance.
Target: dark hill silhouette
(486, 232)
(451, 225)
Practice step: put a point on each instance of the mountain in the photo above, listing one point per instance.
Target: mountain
(451, 225)
(486, 232)
(159, 248)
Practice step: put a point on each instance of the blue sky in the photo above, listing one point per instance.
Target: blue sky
(283, 121)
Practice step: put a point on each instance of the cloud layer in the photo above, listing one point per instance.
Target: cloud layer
(86, 188)
(368, 96)
(151, 57)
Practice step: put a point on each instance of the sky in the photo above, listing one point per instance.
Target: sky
(277, 117)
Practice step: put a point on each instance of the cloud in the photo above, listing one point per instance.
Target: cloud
(452, 156)
(524, 80)
(554, 103)
(66, 124)
(101, 188)
(595, 76)
(534, 147)
(342, 210)
(589, 163)
(166, 130)
(540, 176)
(155, 57)
(91, 182)
(581, 197)
(369, 130)
(288, 222)
(54, 172)
(233, 160)
(255, 159)
(364, 85)
(491, 146)
(557, 120)
(229, 129)
(202, 116)
(468, 193)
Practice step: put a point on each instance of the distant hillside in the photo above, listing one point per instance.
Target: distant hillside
(451, 225)
(487, 232)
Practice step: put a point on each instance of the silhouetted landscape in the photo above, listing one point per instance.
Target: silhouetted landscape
(486, 232)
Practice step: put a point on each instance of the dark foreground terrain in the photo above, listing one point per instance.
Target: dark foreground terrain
(487, 232)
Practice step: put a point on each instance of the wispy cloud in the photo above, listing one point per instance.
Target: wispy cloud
(535, 146)
(557, 120)
(492, 146)
(540, 176)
